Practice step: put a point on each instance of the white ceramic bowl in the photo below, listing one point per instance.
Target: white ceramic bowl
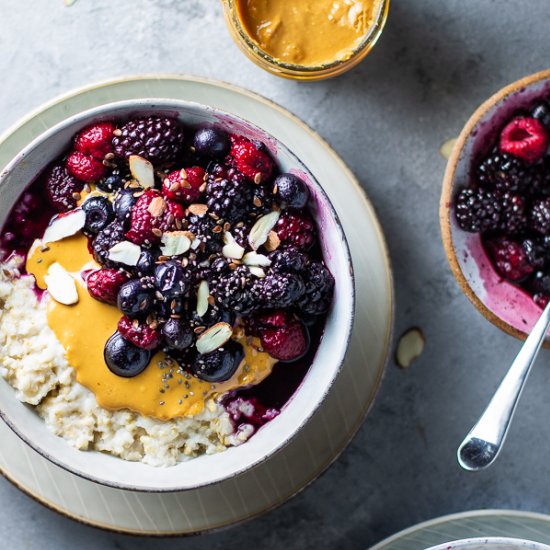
(204, 470)
(490, 543)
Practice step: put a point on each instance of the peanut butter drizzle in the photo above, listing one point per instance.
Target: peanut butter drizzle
(307, 32)
(162, 390)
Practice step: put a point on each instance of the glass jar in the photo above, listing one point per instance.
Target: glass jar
(302, 72)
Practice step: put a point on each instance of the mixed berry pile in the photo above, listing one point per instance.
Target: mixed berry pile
(508, 202)
(196, 234)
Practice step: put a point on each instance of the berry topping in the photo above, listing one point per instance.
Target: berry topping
(229, 198)
(178, 334)
(540, 216)
(62, 188)
(319, 289)
(477, 210)
(123, 358)
(99, 214)
(510, 259)
(139, 333)
(291, 191)
(219, 365)
(250, 160)
(158, 139)
(135, 299)
(296, 230)
(95, 140)
(287, 343)
(211, 142)
(84, 167)
(104, 284)
(104, 241)
(171, 279)
(147, 218)
(279, 290)
(184, 185)
(524, 137)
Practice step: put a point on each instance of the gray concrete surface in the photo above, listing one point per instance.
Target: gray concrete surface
(436, 61)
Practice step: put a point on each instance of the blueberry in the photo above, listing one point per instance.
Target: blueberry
(177, 334)
(111, 183)
(291, 190)
(219, 365)
(171, 279)
(135, 299)
(99, 214)
(124, 202)
(147, 262)
(123, 358)
(211, 142)
(541, 112)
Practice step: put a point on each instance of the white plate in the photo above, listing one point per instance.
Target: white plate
(479, 524)
(329, 430)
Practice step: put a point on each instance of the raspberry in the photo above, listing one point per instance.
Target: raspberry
(158, 139)
(184, 185)
(296, 230)
(139, 333)
(510, 259)
(104, 284)
(319, 289)
(229, 198)
(477, 210)
(95, 140)
(524, 137)
(273, 319)
(61, 188)
(287, 343)
(174, 212)
(278, 290)
(84, 167)
(146, 222)
(106, 239)
(250, 160)
(540, 216)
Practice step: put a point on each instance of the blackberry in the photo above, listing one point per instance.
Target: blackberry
(319, 289)
(513, 217)
(540, 216)
(537, 253)
(477, 210)
(288, 259)
(104, 240)
(541, 282)
(240, 233)
(203, 229)
(262, 201)
(232, 291)
(503, 172)
(279, 290)
(212, 316)
(229, 198)
(158, 139)
(62, 188)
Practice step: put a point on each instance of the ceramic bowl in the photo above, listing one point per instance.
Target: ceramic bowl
(504, 304)
(490, 543)
(204, 470)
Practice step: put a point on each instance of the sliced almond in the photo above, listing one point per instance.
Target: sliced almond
(257, 271)
(125, 252)
(60, 285)
(446, 149)
(142, 170)
(261, 229)
(255, 259)
(214, 337)
(175, 243)
(198, 209)
(272, 242)
(232, 249)
(64, 226)
(409, 347)
(157, 207)
(202, 298)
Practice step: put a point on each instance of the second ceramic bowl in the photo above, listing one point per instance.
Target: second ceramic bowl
(204, 470)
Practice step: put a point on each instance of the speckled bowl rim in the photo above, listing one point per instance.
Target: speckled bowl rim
(148, 104)
(447, 195)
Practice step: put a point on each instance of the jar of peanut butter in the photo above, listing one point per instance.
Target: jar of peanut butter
(306, 39)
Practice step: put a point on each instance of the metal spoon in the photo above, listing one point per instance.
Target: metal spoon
(484, 442)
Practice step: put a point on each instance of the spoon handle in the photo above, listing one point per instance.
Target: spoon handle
(483, 443)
